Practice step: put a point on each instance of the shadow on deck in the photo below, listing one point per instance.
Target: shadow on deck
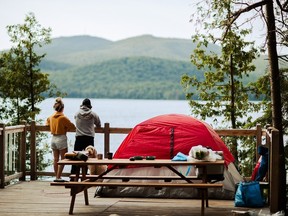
(39, 198)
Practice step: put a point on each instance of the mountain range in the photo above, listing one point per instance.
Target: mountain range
(143, 67)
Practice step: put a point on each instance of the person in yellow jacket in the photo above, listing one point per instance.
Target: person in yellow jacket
(59, 126)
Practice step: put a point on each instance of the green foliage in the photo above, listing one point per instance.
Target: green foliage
(22, 83)
(42, 149)
(69, 59)
(222, 15)
(86, 50)
(137, 78)
(223, 76)
(223, 88)
(263, 85)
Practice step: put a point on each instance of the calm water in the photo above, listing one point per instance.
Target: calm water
(117, 112)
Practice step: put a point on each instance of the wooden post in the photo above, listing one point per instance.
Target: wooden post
(106, 139)
(2, 155)
(33, 151)
(258, 140)
(22, 154)
(274, 172)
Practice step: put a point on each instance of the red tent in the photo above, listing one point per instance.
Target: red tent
(165, 135)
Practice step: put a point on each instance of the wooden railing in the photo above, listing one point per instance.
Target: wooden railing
(13, 152)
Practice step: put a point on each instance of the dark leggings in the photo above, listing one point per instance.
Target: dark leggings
(81, 143)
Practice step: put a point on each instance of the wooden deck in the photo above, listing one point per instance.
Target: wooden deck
(39, 198)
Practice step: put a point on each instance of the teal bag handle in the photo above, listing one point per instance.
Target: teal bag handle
(239, 201)
(188, 170)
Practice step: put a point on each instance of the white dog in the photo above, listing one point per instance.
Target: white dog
(91, 151)
(94, 169)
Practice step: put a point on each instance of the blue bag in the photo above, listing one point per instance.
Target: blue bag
(180, 157)
(248, 194)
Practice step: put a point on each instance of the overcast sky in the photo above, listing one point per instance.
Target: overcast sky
(109, 19)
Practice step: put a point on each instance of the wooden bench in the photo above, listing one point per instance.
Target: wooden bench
(77, 187)
(165, 178)
(128, 178)
(88, 183)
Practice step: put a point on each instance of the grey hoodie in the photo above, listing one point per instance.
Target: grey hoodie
(85, 120)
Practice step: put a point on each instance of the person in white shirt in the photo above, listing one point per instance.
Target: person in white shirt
(85, 121)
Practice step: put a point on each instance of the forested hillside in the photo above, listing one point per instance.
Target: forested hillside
(143, 67)
(137, 78)
(84, 50)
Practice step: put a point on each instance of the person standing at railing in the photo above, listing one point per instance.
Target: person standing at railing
(59, 126)
(85, 120)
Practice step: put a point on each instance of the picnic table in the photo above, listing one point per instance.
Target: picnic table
(82, 181)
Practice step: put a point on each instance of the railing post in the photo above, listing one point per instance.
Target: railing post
(258, 140)
(22, 154)
(2, 155)
(33, 151)
(274, 172)
(106, 139)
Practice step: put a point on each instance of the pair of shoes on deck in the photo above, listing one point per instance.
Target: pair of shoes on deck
(60, 180)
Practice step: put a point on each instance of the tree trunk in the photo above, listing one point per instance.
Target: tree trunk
(234, 148)
(276, 97)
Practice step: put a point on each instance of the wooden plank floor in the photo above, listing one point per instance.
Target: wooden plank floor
(39, 198)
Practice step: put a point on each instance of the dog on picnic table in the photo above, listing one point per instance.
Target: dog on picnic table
(94, 169)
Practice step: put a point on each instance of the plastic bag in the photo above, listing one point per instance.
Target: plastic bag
(203, 154)
(248, 194)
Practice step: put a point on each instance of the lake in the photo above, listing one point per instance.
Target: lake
(123, 113)
(119, 112)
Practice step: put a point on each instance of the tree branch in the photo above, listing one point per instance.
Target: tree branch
(236, 14)
(282, 7)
